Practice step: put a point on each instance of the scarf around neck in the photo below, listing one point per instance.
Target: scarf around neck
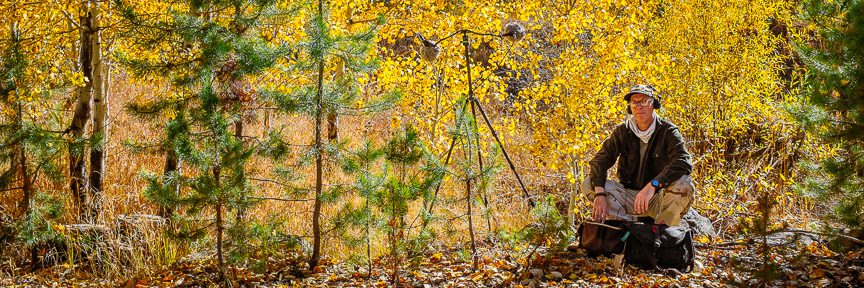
(643, 135)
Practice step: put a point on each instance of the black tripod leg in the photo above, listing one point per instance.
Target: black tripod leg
(447, 160)
(504, 151)
(480, 160)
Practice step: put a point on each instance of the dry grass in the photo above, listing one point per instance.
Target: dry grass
(143, 248)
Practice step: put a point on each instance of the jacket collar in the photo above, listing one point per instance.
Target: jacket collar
(659, 121)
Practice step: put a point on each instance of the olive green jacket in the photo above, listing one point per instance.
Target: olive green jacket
(666, 157)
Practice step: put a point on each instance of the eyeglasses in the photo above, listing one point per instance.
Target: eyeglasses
(643, 103)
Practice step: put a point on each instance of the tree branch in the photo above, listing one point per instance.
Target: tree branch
(280, 199)
(846, 237)
(11, 189)
(66, 14)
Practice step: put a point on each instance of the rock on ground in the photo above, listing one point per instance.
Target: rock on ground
(700, 225)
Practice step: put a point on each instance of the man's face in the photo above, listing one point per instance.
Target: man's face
(641, 104)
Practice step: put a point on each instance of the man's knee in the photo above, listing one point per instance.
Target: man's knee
(672, 208)
(677, 198)
(683, 186)
(585, 187)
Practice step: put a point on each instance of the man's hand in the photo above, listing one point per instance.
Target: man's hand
(599, 208)
(643, 199)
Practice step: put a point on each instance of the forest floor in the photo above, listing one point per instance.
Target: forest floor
(718, 265)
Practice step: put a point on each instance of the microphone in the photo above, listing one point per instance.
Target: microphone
(429, 50)
(514, 31)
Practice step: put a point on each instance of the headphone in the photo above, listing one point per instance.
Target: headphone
(655, 104)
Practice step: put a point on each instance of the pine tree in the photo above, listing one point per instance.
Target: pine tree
(760, 226)
(38, 228)
(390, 179)
(365, 165)
(474, 171)
(834, 110)
(30, 139)
(322, 52)
(220, 51)
(407, 182)
(14, 63)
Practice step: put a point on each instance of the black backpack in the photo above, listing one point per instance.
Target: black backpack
(653, 246)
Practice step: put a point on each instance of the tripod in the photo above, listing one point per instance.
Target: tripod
(475, 105)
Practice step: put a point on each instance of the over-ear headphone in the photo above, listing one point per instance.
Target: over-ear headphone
(639, 89)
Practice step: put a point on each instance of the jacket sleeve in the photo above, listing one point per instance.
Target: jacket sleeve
(679, 163)
(605, 158)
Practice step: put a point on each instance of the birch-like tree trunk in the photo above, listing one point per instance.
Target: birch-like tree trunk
(78, 181)
(101, 80)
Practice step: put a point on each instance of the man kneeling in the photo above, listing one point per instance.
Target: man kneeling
(653, 166)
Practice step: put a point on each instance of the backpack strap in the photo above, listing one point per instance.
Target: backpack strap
(692, 264)
(670, 271)
(653, 258)
(604, 225)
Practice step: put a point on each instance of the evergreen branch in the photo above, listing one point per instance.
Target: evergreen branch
(53, 131)
(36, 171)
(457, 217)
(15, 141)
(195, 233)
(11, 189)
(269, 181)
(280, 199)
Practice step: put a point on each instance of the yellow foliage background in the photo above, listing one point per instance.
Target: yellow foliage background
(725, 71)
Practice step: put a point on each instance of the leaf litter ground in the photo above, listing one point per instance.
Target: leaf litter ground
(498, 266)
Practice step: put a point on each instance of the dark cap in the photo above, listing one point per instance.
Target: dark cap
(641, 89)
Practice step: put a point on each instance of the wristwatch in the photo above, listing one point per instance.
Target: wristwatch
(655, 183)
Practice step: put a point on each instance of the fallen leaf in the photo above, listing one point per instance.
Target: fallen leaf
(817, 274)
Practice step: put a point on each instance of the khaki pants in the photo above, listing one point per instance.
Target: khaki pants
(667, 206)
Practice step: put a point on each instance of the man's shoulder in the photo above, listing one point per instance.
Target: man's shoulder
(666, 124)
(670, 129)
(621, 128)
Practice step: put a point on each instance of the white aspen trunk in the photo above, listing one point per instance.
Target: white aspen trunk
(100, 114)
(78, 182)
